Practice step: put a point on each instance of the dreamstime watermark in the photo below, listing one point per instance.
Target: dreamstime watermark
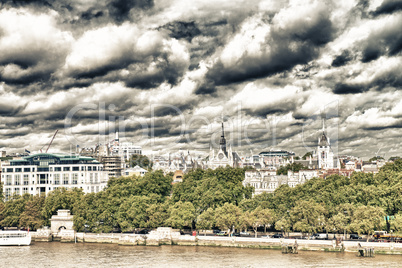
(166, 123)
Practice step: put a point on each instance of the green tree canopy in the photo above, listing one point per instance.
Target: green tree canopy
(140, 160)
(367, 219)
(206, 220)
(227, 216)
(295, 167)
(181, 214)
(308, 217)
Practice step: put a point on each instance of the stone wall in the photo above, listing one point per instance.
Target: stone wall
(162, 238)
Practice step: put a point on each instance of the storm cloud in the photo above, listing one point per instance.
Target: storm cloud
(167, 73)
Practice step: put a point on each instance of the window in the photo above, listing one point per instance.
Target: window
(17, 191)
(96, 177)
(8, 193)
(25, 190)
(57, 169)
(27, 169)
(10, 170)
(66, 168)
(18, 169)
(83, 168)
(65, 178)
(56, 178)
(89, 168)
(75, 178)
(8, 180)
(17, 179)
(91, 175)
(94, 168)
(76, 168)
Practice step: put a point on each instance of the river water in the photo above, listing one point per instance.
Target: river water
(109, 255)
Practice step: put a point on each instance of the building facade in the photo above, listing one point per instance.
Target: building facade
(224, 157)
(268, 181)
(44, 172)
(124, 149)
(325, 155)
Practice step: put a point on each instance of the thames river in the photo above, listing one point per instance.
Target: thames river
(108, 255)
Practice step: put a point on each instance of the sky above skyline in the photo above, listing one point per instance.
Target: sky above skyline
(165, 74)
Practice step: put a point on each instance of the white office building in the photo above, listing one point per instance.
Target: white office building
(44, 172)
(124, 149)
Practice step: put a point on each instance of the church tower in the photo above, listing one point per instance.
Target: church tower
(222, 143)
(324, 152)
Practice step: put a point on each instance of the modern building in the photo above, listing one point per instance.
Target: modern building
(112, 165)
(124, 149)
(44, 172)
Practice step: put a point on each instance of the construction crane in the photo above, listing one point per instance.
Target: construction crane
(50, 143)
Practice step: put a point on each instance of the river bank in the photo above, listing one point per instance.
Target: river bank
(165, 236)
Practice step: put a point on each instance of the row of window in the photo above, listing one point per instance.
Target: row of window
(42, 179)
(8, 192)
(73, 168)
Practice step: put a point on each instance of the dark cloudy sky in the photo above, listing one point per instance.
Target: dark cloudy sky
(167, 72)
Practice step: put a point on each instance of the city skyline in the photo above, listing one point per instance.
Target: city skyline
(165, 74)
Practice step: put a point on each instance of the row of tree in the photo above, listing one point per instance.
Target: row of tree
(216, 198)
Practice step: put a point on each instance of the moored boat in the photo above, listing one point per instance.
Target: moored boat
(15, 238)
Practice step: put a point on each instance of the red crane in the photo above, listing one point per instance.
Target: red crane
(50, 143)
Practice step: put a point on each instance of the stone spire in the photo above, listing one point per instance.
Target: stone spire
(222, 142)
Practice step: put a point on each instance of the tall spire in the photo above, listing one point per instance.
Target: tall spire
(222, 142)
(323, 141)
(323, 125)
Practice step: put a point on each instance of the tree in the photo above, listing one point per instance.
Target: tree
(32, 216)
(1, 193)
(212, 188)
(283, 224)
(396, 223)
(265, 217)
(367, 219)
(295, 167)
(140, 160)
(337, 223)
(393, 158)
(249, 219)
(13, 210)
(181, 214)
(206, 220)
(375, 158)
(132, 213)
(307, 217)
(157, 214)
(227, 216)
(60, 198)
(307, 155)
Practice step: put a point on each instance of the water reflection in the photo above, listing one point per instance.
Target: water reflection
(105, 255)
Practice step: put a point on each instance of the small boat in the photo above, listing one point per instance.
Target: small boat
(15, 238)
